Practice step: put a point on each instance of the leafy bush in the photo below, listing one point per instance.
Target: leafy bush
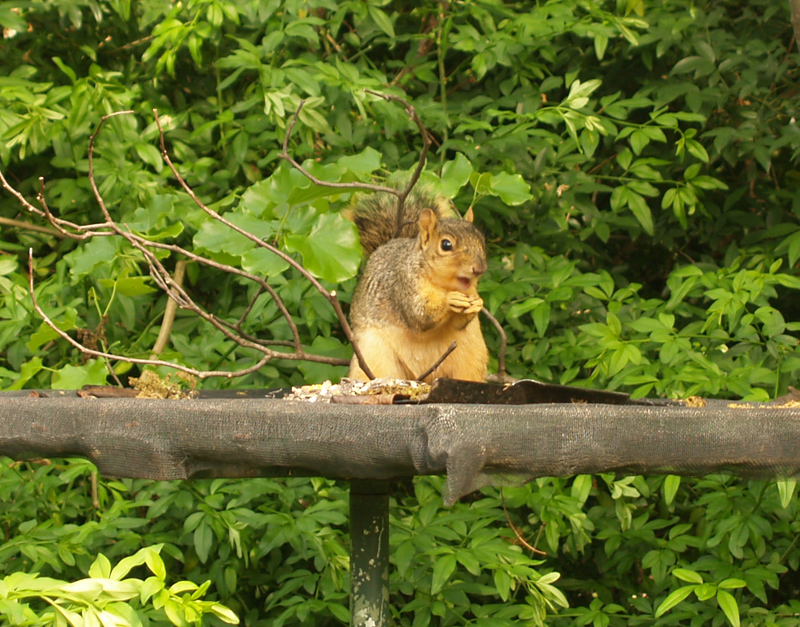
(635, 170)
(101, 598)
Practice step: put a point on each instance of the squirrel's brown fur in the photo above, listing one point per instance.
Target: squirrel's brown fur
(418, 293)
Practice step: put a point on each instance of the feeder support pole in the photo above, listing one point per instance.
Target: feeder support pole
(369, 553)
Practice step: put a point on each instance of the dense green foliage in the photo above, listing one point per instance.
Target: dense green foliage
(635, 170)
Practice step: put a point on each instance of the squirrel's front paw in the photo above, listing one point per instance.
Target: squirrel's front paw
(464, 303)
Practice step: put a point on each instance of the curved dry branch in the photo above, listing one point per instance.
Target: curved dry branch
(27, 226)
(172, 286)
(169, 311)
(330, 296)
(438, 362)
(501, 354)
(423, 155)
(355, 185)
(200, 374)
(401, 194)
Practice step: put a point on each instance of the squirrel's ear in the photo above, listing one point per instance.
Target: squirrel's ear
(427, 225)
(469, 216)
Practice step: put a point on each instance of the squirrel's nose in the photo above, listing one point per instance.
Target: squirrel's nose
(479, 267)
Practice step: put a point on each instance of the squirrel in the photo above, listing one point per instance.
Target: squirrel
(418, 292)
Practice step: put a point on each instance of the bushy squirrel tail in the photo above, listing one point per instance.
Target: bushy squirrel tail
(375, 213)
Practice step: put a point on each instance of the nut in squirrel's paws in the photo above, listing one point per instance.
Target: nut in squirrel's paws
(464, 303)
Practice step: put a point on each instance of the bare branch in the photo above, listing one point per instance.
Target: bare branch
(169, 311)
(84, 231)
(795, 19)
(330, 296)
(400, 194)
(23, 201)
(172, 287)
(100, 202)
(27, 226)
(501, 354)
(355, 185)
(531, 547)
(438, 362)
(133, 360)
(423, 155)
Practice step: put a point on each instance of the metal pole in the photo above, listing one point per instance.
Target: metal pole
(369, 553)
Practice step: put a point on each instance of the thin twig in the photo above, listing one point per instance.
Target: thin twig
(795, 20)
(113, 374)
(423, 155)
(131, 44)
(163, 279)
(423, 47)
(439, 361)
(169, 311)
(330, 296)
(27, 226)
(517, 532)
(84, 231)
(93, 484)
(355, 185)
(157, 270)
(501, 354)
(400, 194)
(133, 360)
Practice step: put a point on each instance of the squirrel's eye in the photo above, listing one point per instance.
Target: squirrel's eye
(446, 245)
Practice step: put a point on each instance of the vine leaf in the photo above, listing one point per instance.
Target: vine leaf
(331, 251)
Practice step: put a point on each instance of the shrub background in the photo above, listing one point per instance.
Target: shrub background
(634, 166)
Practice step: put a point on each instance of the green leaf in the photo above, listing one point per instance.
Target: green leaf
(100, 568)
(443, 568)
(697, 150)
(512, 188)
(600, 45)
(45, 333)
(203, 541)
(227, 615)
(728, 605)
(154, 561)
(671, 485)
(65, 68)
(331, 347)
(382, 20)
(786, 488)
(687, 575)
(130, 286)
(641, 210)
(215, 236)
(673, 599)
(27, 371)
(699, 65)
(331, 251)
(455, 174)
(482, 182)
(263, 262)
(579, 92)
(93, 372)
(365, 162)
(541, 318)
(581, 487)
(705, 591)
(97, 252)
(503, 584)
